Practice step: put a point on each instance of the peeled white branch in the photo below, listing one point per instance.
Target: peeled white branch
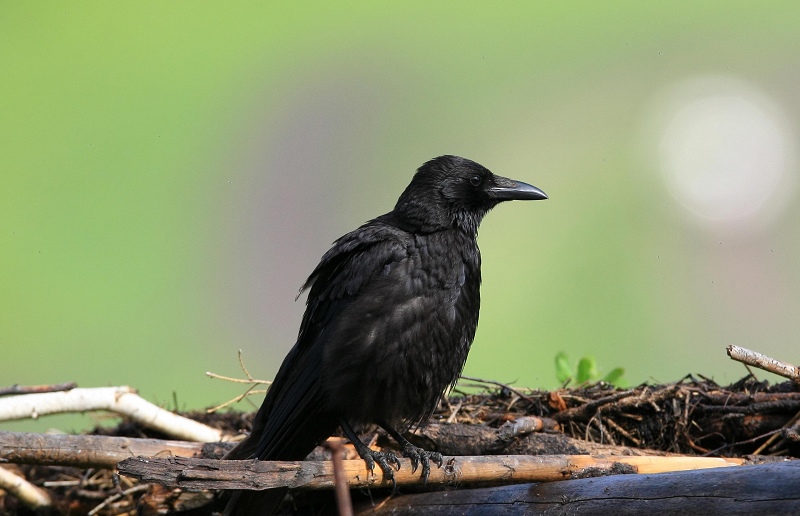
(122, 400)
(27, 493)
(756, 359)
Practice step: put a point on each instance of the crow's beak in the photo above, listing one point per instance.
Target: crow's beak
(505, 189)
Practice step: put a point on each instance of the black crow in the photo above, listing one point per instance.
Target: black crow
(390, 316)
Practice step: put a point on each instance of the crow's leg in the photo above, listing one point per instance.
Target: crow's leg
(386, 460)
(415, 453)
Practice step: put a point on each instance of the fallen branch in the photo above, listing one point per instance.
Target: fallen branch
(248, 474)
(756, 359)
(27, 493)
(122, 400)
(30, 389)
(759, 489)
(587, 411)
(96, 451)
(526, 425)
(87, 451)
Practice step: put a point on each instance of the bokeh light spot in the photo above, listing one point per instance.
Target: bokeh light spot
(725, 151)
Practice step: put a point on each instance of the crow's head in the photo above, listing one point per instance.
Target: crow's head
(450, 191)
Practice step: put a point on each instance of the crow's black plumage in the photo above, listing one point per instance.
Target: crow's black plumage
(390, 317)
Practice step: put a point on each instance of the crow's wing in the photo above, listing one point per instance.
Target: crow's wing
(294, 417)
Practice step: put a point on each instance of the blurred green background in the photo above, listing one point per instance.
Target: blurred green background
(172, 171)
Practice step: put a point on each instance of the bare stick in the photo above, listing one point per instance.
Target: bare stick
(525, 425)
(229, 378)
(343, 501)
(756, 359)
(30, 389)
(86, 451)
(773, 437)
(122, 400)
(28, 494)
(249, 392)
(113, 498)
(501, 385)
(249, 474)
(249, 378)
(587, 411)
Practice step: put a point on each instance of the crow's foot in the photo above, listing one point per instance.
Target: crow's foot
(419, 456)
(415, 453)
(387, 461)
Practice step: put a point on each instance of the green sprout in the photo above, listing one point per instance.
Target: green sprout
(586, 372)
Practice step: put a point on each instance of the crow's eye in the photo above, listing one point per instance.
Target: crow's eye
(475, 180)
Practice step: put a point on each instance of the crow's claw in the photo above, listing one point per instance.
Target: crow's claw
(418, 455)
(385, 460)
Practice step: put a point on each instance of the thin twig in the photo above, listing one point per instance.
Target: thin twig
(343, 501)
(31, 389)
(773, 437)
(454, 412)
(241, 364)
(229, 378)
(591, 408)
(113, 498)
(748, 441)
(610, 422)
(756, 359)
(249, 392)
(503, 385)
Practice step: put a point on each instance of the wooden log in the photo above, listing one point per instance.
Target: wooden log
(248, 474)
(87, 451)
(761, 489)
